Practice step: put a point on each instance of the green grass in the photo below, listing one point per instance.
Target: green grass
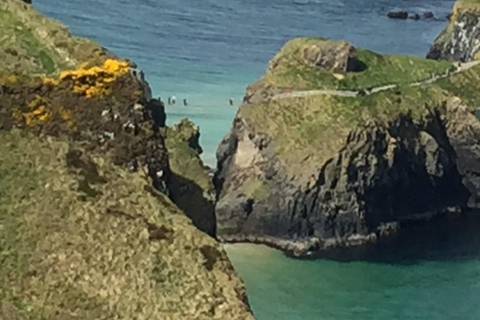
(381, 70)
(124, 254)
(20, 50)
(31, 44)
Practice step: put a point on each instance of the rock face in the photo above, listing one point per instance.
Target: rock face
(460, 41)
(190, 187)
(339, 58)
(382, 175)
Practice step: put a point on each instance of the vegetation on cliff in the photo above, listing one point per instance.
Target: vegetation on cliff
(90, 175)
(292, 68)
(322, 122)
(82, 238)
(34, 45)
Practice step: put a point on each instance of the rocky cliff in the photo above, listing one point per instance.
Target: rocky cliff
(460, 41)
(322, 166)
(101, 204)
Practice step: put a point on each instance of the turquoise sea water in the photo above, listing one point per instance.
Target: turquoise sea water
(208, 51)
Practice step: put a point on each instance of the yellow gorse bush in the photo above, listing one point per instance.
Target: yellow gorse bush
(39, 113)
(96, 81)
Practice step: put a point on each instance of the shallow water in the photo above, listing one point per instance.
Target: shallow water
(208, 51)
(431, 272)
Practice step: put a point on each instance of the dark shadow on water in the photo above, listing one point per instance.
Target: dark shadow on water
(452, 238)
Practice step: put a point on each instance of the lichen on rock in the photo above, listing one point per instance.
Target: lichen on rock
(460, 41)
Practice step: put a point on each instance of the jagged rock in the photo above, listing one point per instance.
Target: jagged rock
(428, 15)
(383, 174)
(415, 16)
(191, 187)
(460, 41)
(338, 57)
(401, 15)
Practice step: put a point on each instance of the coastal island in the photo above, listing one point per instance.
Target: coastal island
(105, 212)
(339, 146)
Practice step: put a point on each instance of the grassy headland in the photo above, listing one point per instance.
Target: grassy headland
(291, 71)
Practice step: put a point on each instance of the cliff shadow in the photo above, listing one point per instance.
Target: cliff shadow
(452, 238)
(190, 198)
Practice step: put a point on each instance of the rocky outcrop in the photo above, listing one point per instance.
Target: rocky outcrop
(460, 41)
(190, 187)
(401, 15)
(383, 175)
(339, 58)
(311, 172)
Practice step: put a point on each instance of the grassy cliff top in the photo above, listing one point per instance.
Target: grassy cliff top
(291, 71)
(82, 239)
(322, 122)
(31, 44)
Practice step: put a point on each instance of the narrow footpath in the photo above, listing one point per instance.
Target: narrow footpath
(348, 93)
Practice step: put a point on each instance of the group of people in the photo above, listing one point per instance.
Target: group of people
(172, 100)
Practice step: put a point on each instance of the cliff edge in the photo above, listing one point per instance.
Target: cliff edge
(92, 182)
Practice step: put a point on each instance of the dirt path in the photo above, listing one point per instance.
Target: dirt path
(348, 93)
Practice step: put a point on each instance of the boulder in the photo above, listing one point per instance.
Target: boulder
(401, 15)
(338, 58)
(428, 15)
(415, 16)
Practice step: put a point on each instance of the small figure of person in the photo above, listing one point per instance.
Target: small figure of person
(231, 101)
(185, 103)
(173, 99)
(169, 100)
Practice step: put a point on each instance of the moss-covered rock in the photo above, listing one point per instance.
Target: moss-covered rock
(327, 169)
(459, 41)
(82, 238)
(191, 186)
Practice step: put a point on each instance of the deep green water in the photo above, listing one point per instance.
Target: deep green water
(208, 51)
